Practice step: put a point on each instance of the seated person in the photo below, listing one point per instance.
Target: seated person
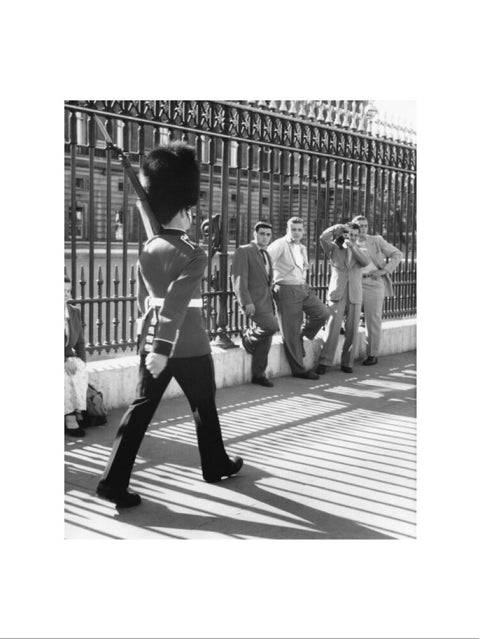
(75, 373)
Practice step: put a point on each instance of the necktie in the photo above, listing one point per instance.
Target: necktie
(265, 259)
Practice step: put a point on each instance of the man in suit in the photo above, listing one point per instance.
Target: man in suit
(376, 283)
(173, 341)
(252, 279)
(344, 293)
(293, 297)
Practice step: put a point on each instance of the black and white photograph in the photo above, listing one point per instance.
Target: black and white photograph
(265, 217)
(240, 319)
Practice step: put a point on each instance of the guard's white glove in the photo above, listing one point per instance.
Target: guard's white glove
(155, 363)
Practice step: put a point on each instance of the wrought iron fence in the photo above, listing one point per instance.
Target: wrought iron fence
(325, 163)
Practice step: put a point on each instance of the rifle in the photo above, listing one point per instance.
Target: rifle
(148, 218)
(215, 231)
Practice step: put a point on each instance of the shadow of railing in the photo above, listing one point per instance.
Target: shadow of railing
(320, 462)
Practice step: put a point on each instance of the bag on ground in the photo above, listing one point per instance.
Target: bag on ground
(96, 414)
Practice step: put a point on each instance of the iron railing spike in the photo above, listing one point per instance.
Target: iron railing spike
(320, 111)
(337, 121)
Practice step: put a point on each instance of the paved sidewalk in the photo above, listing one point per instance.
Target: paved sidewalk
(332, 459)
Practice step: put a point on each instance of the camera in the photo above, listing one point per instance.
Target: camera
(340, 240)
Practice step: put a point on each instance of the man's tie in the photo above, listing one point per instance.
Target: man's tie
(265, 260)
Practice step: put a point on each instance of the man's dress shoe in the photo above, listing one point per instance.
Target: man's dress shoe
(121, 498)
(262, 381)
(347, 369)
(74, 432)
(306, 375)
(370, 361)
(247, 346)
(321, 369)
(235, 464)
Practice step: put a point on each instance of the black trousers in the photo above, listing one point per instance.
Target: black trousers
(195, 376)
(260, 338)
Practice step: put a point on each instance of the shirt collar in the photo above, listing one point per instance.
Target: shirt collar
(171, 232)
(289, 239)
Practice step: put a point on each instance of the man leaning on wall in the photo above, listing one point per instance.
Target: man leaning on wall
(252, 278)
(376, 283)
(293, 296)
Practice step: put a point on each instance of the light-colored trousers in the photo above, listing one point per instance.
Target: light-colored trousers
(332, 332)
(75, 388)
(373, 296)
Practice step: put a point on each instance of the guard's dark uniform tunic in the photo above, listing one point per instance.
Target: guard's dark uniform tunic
(170, 271)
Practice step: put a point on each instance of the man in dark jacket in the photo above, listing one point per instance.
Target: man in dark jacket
(252, 280)
(173, 341)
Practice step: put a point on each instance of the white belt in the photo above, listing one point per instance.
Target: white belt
(196, 302)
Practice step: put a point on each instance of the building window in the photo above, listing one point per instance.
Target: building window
(205, 149)
(82, 128)
(118, 232)
(233, 154)
(78, 223)
(264, 201)
(120, 187)
(164, 137)
(119, 134)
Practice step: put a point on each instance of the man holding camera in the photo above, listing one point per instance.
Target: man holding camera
(344, 293)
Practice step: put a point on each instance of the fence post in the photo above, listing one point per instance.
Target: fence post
(223, 340)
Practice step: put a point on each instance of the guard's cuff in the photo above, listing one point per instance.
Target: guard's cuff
(162, 347)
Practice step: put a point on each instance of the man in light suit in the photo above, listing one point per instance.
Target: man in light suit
(376, 283)
(344, 293)
(252, 281)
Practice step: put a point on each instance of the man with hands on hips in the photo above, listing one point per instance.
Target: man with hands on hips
(376, 283)
(173, 340)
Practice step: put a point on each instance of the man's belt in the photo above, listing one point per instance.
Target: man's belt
(157, 302)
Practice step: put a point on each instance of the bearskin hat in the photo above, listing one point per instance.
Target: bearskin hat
(170, 176)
